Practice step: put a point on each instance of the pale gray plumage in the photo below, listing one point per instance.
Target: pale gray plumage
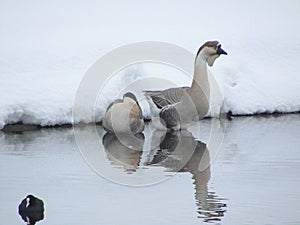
(166, 97)
(124, 116)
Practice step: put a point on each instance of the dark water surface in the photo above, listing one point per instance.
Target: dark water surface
(254, 177)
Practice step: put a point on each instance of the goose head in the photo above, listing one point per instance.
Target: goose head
(210, 51)
(129, 97)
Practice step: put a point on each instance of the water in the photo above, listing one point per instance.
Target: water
(254, 177)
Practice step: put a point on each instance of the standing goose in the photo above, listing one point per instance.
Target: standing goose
(124, 116)
(177, 107)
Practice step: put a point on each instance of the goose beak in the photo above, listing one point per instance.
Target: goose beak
(221, 51)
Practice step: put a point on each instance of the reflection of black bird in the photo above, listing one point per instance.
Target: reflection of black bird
(180, 151)
(31, 209)
(125, 150)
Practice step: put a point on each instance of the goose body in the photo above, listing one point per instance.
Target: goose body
(177, 107)
(124, 116)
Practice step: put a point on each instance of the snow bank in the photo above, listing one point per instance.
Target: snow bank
(46, 49)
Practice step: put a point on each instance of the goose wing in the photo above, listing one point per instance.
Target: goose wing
(170, 116)
(135, 112)
(166, 97)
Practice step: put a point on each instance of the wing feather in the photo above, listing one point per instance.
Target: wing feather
(166, 97)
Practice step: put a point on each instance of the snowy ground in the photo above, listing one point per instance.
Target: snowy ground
(47, 48)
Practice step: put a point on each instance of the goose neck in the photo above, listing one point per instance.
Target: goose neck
(200, 79)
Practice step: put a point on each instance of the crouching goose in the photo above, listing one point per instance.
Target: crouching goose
(124, 116)
(177, 107)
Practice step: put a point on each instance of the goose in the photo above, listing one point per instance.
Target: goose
(177, 107)
(124, 116)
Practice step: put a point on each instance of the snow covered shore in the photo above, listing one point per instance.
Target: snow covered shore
(46, 50)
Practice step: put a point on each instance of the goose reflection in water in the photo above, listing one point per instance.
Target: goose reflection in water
(124, 150)
(180, 151)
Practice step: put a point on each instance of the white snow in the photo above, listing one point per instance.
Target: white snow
(45, 50)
